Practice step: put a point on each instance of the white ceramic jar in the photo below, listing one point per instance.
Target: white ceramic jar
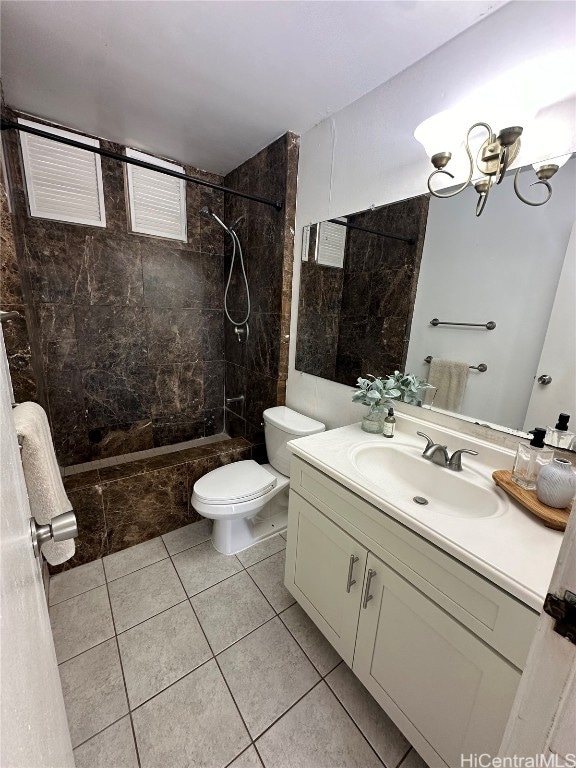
(556, 484)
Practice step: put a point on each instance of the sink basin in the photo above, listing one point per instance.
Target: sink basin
(403, 474)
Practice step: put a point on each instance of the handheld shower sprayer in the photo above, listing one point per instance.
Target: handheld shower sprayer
(241, 326)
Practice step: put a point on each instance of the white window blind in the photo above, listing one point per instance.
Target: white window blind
(157, 202)
(63, 183)
(331, 244)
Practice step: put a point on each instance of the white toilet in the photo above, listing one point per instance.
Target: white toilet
(249, 501)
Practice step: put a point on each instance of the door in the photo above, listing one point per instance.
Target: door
(32, 716)
(543, 717)
(423, 666)
(327, 577)
(558, 358)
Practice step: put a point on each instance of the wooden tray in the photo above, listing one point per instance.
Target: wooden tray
(553, 518)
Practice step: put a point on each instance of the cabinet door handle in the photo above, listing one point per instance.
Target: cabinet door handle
(367, 595)
(353, 559)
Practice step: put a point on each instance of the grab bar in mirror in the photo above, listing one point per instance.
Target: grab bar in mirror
(482, 367)
(489, 326)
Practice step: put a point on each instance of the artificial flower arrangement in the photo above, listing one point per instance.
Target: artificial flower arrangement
(374, 390)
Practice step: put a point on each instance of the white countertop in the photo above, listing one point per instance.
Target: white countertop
(514, 549)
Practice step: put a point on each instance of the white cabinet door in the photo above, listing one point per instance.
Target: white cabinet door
(326, 574)
(33, 720)
(446, 689)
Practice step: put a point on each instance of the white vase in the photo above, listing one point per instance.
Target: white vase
(556, 484)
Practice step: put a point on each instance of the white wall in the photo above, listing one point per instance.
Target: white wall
(366, 153)
(505, 267)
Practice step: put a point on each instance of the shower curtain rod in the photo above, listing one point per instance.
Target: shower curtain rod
(7, 124)
(408, 240)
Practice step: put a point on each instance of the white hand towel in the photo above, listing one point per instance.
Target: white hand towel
(449, 377)
(43, 480)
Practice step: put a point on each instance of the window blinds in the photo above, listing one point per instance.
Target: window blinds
(157, 202)
(63, 183)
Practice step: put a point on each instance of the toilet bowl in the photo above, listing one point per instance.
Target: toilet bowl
(247, 501)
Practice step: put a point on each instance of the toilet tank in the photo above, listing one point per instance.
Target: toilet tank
(281, 425)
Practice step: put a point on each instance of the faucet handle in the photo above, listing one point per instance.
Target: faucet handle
(430, 441)
(455, 462)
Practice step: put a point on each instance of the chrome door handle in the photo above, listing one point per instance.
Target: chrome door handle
(353, 559)
(544, 379)
(367, 595)
(60, 528)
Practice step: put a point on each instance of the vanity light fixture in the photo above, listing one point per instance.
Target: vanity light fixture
(494, 158)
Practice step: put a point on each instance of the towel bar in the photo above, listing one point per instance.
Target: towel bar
(482, 367)
(489, 325)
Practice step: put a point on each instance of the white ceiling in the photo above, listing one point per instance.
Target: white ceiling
(210, 83)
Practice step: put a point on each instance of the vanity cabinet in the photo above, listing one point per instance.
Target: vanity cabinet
(438, 646)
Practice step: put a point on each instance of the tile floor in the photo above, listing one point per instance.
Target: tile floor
(172, 656)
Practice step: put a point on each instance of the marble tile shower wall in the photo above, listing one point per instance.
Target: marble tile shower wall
(130, 327)
(259, 369)
(16, 333)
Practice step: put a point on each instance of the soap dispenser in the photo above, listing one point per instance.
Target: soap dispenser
(530, 459)
(560, 437)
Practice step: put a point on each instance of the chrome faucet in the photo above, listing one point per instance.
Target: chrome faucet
(438, 454)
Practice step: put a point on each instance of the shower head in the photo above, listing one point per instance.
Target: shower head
(208, 213)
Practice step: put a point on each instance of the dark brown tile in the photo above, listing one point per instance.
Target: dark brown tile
(145, 506)
(57, 336)
(110, 337)
(19, 354)
(88, 508)
(121, 438)
(213, 384)
(81, 480)
(110, 268)
(213, 421)
(181, 278)
(234, 425)
(263, 348)
(235, 386)
(116, 396)
(260, 394)
(175, 334)
(177, 390)
(10, 282)
(169, 430)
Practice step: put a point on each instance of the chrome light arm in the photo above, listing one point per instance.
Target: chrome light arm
(440, 168)
(544, 182)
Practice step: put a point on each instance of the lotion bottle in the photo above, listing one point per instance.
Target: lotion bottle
(560, 437)
(389, 424)
(530, 459)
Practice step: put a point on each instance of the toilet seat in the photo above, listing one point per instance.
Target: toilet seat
(234, 483)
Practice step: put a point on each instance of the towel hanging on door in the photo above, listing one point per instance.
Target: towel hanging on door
(43, 480)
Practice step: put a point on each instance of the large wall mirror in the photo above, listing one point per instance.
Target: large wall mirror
(372, 282)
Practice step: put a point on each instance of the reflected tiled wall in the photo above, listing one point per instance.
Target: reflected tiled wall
(356, 320)
(258, 369)
(130, 327)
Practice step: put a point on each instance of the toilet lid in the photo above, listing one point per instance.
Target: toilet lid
(239, 481)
